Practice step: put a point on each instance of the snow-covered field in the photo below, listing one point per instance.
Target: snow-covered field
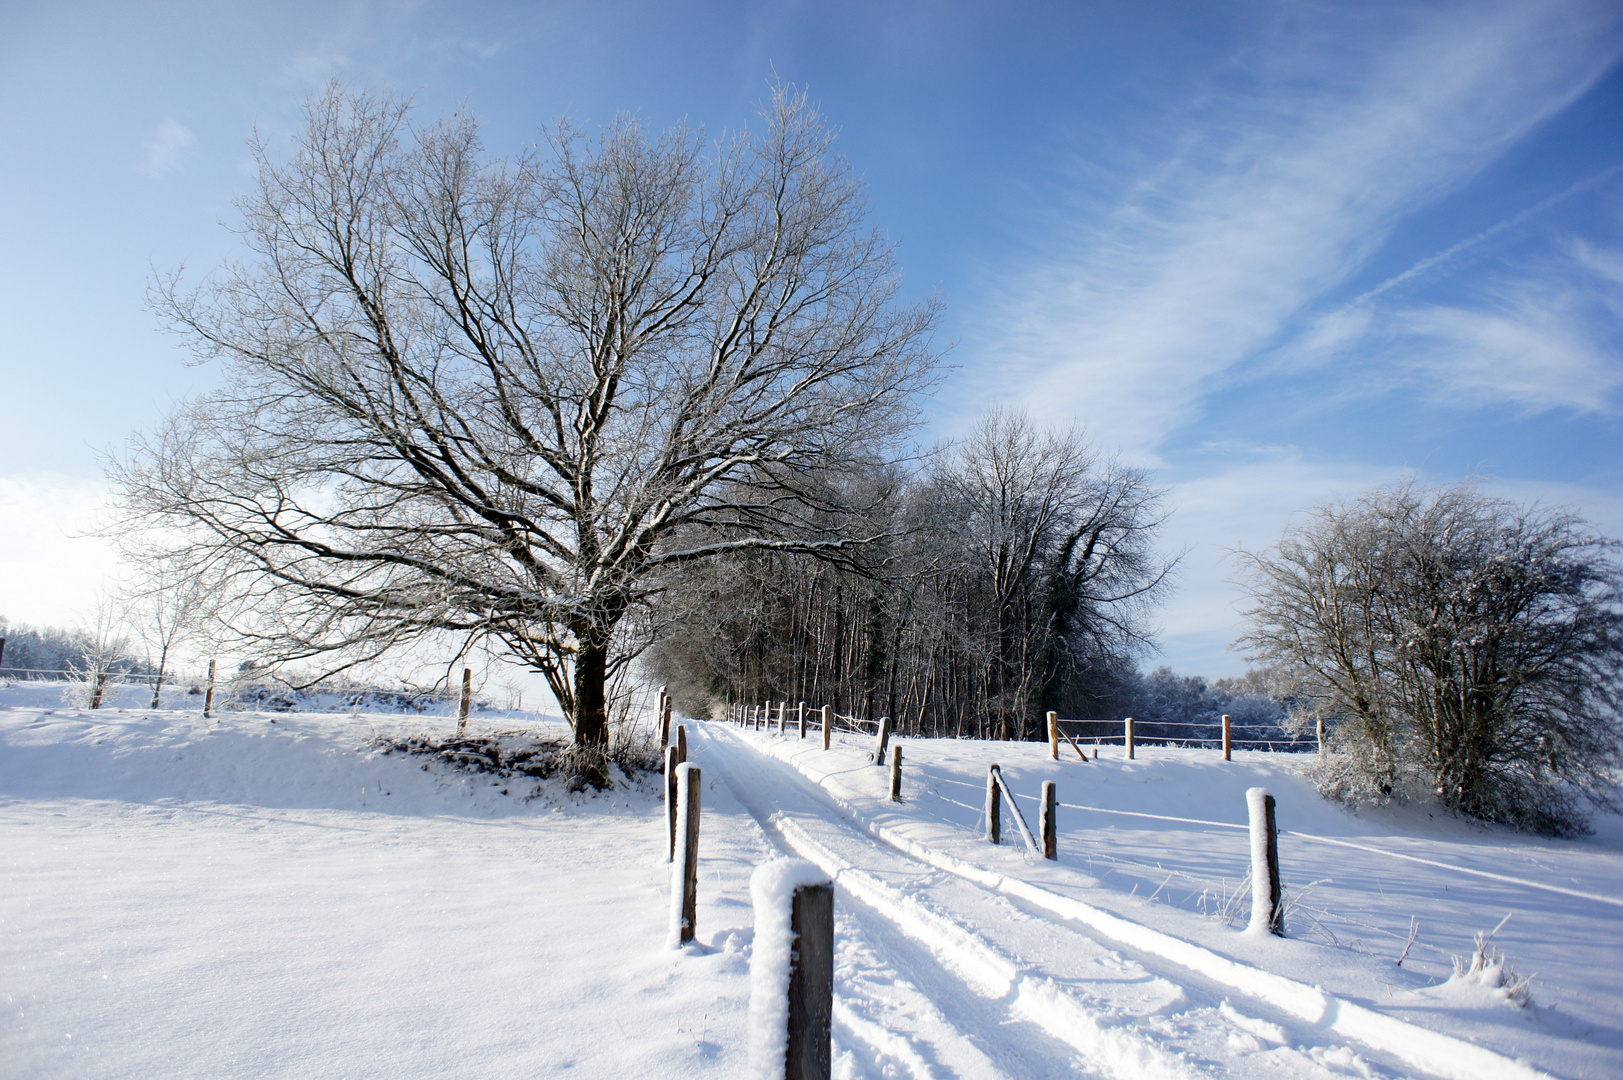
(272, 896)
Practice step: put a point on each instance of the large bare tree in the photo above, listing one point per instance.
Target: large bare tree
(502, 398)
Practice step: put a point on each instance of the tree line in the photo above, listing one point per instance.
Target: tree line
(1014, 574)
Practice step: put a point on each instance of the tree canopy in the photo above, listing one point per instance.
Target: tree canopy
(502, 398)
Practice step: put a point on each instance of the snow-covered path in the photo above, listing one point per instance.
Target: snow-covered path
(1215, 1016)
(1036, 993)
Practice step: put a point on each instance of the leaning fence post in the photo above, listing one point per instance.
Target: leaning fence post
(208, 697)
(1129, 738)
(1050, 829)
(882, 741)
(791, 1034)
(1228, 743)
(896, 773)
(685, 857)
(800, 718)
(1053, 735)
(994, 807)
(827, 730)
(1267, 908)
(467, 696)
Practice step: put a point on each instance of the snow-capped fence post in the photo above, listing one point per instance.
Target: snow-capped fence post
(467, 699)
(828, 730)
(792, 972)
(208, 696)
(1129, 738)
(1228, 743)
(896, 773)
(881, 741)
(673, 759)
(685, 856)
(1053, 735)
(800, 718)
(1267, 907)
(994, 807)
(783, 717)
(1048, 825)
(681, 742)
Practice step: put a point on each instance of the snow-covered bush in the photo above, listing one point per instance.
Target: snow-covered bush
(1459, 646)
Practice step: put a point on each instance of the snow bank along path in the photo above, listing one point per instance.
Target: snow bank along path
(1310, 1009)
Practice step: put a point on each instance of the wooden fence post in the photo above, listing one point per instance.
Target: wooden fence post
(791, 1011)
(1228, 743)
(1053, 735)
(882, 741)
(672, 760)
(1267, 909)
(1049, 826)
(208, 696)
(896, 773)
(811, 985)
(800, 718)
(467, 699)
(994, 807)
(681, 742)
(1319, 730)
(2, 652)
(685, 857)
(1129, 738)
(827, 730)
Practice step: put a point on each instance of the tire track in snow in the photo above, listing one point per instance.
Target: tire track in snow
(1307, 1010)
(1126, 1038)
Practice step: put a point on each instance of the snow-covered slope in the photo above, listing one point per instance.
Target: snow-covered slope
(266, 897)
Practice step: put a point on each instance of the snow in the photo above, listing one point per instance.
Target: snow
(1262, 898)
(267, 897)
(273, 895)
(1153, 851)
(772, 888)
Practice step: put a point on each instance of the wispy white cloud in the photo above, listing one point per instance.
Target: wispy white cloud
(1538, 347)
(167, 148)
(1273, 197)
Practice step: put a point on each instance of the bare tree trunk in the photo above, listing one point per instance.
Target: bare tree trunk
(591, 704)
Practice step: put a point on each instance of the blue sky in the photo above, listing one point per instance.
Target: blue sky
(1276, 252)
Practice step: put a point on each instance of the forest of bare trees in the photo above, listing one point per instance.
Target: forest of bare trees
(1018, 576)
